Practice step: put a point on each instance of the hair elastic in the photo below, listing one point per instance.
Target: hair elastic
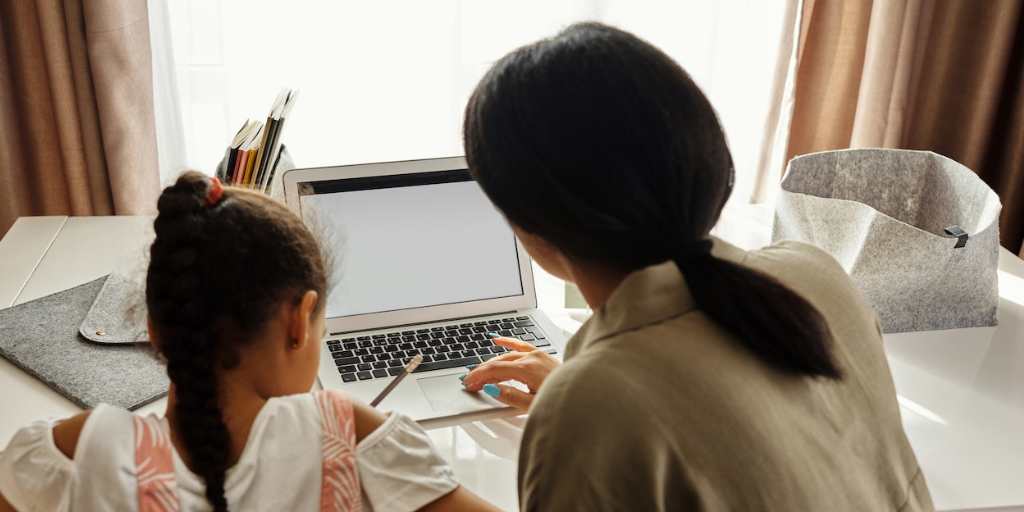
(215, 192)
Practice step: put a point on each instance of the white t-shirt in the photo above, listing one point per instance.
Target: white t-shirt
(279, 469)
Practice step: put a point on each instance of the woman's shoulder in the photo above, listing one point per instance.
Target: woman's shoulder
(808, 270)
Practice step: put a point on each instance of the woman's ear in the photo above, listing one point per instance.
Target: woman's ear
(300, 321)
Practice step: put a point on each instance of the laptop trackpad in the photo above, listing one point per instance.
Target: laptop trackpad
(447, 396)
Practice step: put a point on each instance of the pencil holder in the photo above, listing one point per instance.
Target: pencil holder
(273, 186)
(917, 232)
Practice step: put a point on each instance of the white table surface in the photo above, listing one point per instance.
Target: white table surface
(961, 391)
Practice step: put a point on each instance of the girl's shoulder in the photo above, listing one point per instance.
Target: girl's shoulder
(43, 462)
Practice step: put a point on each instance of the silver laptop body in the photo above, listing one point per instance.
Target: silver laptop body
(424, 265)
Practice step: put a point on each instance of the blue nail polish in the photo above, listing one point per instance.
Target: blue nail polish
(493, 335)
(492, 390)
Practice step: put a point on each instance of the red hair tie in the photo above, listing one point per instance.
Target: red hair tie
(216, 191)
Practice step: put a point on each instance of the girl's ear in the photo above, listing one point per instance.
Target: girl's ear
(300, 321)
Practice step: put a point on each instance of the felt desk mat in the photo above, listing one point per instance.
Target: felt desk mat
(42, 337)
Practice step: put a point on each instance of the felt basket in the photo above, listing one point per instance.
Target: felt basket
(917, 232)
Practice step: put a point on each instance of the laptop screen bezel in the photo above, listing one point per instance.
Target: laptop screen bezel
(292, 180)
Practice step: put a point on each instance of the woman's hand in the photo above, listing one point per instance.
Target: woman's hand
(524, 364)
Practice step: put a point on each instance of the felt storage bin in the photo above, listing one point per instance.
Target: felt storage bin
(917, 232)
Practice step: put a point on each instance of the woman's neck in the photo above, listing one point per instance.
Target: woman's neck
(239, 407)
(596, 282)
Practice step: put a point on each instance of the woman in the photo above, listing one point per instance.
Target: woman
(709, 377)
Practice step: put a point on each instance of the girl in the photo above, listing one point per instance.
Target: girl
(709, 378)
(235, 293)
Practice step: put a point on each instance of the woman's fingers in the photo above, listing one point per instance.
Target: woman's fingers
(514, 344)
(496, 371)
(509, 395)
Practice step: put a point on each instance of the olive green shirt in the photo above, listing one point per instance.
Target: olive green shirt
(657, 407)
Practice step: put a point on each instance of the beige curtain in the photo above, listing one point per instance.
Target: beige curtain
(941, 75)
(77, 135)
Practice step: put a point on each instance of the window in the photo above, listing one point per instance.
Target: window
(388, 80)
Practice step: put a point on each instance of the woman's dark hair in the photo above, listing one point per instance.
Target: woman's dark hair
(600, 144)
(216, 271)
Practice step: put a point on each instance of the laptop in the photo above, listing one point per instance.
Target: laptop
(425, 265)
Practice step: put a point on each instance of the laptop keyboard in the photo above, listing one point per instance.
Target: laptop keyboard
(446, 346)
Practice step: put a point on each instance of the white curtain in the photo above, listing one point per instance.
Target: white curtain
(387, 80)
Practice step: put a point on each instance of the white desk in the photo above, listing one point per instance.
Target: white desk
(961, 391)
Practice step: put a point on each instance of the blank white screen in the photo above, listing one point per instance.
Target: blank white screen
(414, 246)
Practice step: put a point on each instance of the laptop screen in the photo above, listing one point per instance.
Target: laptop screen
(411, 240)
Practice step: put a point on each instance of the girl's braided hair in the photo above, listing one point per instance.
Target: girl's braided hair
(220, 263)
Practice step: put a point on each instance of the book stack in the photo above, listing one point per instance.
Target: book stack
(251, 159)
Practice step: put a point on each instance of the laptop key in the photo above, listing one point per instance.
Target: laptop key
(395, 370)
(518, 331)
(541, 343)
(349, 368)
(363, 338)
(405, 346)
(506, 325)
(361, 352)
(427, 351)
(345, 361)
(380, 373)
(420, 344)
(369, 358)
(394, 335)
(448, 363)
(377, 350)
(408, 333)
(420, 331)
(364, 375)
(435, 329)
(408, 338)
(334, 342)
(522, 318)
(427, 359)
(483, 351)
(468, 353)
(505, 332)
(341, 353)
(348, 377)
(364, 366)
(486, 357)
(395, 362)
(378, 336)
(380, 364)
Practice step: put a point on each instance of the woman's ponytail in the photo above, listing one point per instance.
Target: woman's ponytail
(775, 323)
